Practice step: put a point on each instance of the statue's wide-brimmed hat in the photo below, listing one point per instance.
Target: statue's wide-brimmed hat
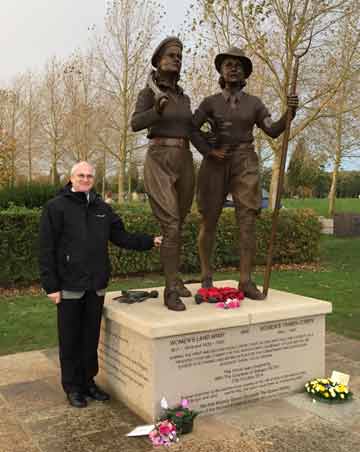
(167, 42)
(234, 52)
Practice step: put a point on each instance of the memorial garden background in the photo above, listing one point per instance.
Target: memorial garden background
(79, 107)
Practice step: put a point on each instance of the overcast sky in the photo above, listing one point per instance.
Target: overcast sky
(31, 31)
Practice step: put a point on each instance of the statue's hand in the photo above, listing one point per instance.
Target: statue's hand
(218, 154)
(161, 101)
(210, 137)
(293, 102)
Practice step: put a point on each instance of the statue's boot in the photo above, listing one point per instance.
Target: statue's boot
(206, 242)
(247, 256)
(251, 291)
(169, 259)
(172, 300)
(182, 290)
(207, 282)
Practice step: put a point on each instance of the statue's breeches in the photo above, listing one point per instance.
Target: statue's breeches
(238, 175)
(169, 182)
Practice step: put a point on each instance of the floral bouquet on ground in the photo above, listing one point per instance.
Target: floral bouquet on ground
(164, 434)
(224, 297)
(327, 390)
(181, 415)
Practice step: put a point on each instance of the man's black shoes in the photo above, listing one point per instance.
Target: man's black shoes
(94, 392)
(76, 399)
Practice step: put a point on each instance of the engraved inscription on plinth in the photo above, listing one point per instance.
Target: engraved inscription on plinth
(217, 369)
(212, 357)
(126, 366)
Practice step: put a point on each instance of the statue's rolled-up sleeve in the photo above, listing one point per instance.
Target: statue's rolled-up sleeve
(145, 114)
(264, 121)
(197, 138)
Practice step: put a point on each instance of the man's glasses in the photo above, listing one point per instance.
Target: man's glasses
(85, 176)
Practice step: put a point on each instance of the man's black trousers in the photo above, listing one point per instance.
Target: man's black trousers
(79, 330)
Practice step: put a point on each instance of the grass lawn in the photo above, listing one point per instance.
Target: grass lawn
(29, 322)
(321, 205)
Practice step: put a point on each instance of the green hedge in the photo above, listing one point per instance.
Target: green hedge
(30, 195)
(18, 246)
(298, 242)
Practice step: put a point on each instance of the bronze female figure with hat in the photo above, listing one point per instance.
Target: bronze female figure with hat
(164, 110)
(230, 163)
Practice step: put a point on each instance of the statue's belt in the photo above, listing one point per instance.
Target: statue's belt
(242, 147)
(174, 142)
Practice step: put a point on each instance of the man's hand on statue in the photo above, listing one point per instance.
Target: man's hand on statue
(293, 102)
(55, 297)
(158, 241)
(219, 154)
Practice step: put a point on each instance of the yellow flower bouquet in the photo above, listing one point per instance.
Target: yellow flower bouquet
(327, 390)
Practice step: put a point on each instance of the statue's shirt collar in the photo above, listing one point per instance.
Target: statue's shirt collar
(235, 96)
(164, 83)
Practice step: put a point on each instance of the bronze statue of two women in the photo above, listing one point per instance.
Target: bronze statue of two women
(230, 163)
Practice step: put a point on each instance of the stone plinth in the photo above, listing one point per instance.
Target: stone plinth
(327, 225)
(347, 224)
(215, 358)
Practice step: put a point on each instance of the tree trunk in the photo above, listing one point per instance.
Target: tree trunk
(129, 185)
(274, 178)
(121, 170)
(338, 151)
(30, 154)
(121, 180)
(332, 192)
(103, 182)
(29, 164)
(13, 171)
(13, 147)
(54, 166)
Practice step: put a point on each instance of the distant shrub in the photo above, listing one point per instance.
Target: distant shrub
(18, 245)
(298, 240)
(30, 195)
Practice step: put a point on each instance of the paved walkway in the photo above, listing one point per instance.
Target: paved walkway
(34, 416)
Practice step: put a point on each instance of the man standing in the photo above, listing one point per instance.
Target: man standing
(75, 229)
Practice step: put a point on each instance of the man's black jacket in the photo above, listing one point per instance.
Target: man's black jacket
(74, 235)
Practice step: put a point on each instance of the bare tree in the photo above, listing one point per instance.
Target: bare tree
(131, 26)
(30, 122)
(84, 107)
(9, 118)
(6, 144)
(346, 102)
(53, 114)
(272, 32)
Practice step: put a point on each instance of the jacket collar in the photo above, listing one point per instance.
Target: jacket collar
(79, 197)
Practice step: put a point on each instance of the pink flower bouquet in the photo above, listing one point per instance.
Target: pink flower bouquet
(181, 415)
(164, 434)
(230, 303)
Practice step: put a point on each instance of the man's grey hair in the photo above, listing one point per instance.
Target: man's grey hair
(76, 166)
